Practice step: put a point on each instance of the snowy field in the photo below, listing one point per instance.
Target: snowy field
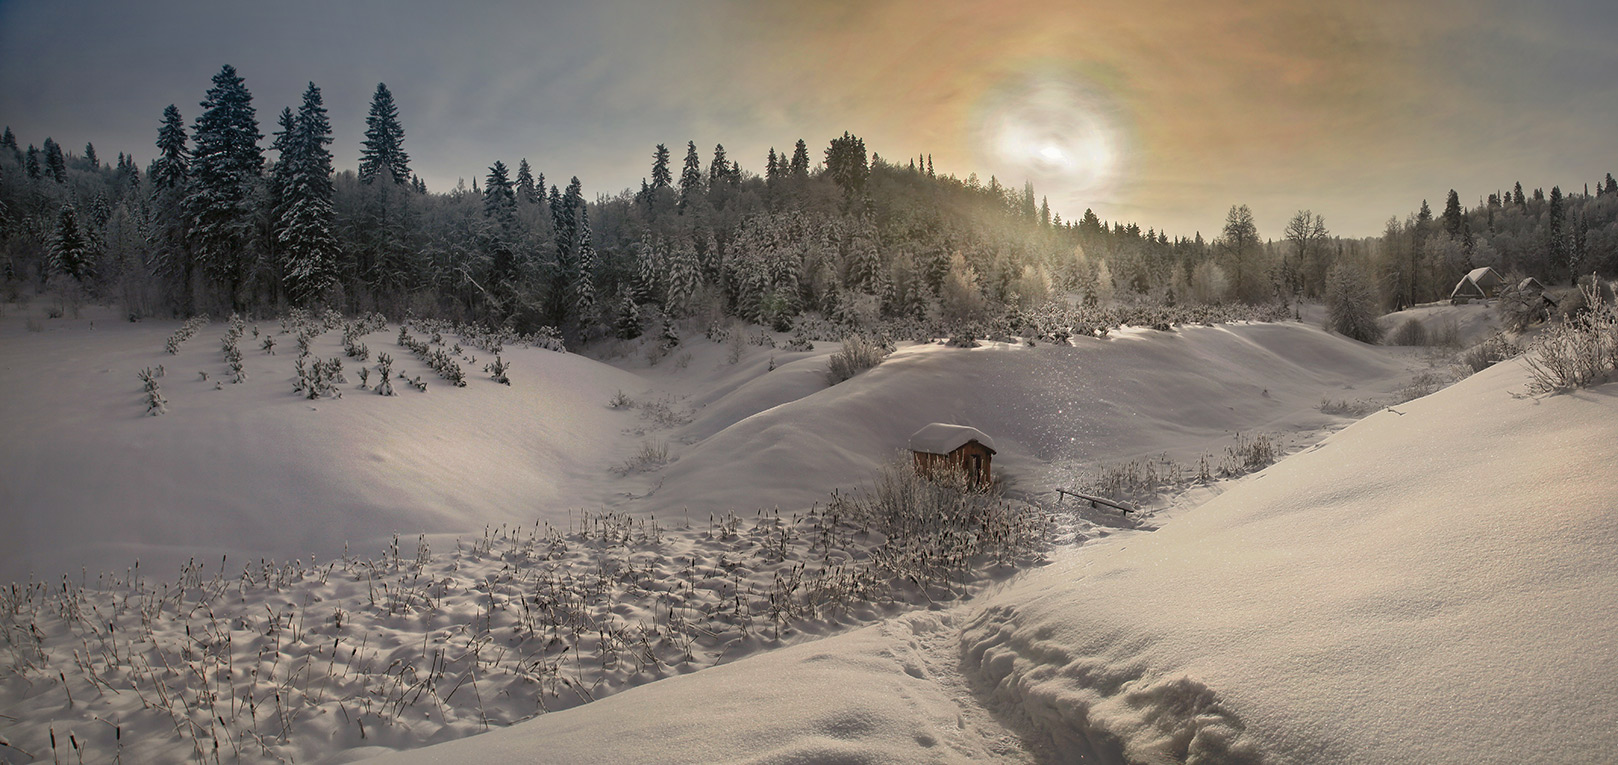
(325, 580)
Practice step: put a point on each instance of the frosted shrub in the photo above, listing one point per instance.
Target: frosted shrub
(858, 355)
(155, 403)
(1488, 353)
(1579, 352)
(1411, 332)
(186, 330)
(384, 368)
(1350, 302)
(497, 371)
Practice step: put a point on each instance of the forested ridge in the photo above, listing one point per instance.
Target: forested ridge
(218, 222)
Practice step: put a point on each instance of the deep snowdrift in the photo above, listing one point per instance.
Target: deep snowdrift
(1429, 585)
(253, 471)
(1050, 409)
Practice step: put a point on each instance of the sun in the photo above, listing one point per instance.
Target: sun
(1058, 132)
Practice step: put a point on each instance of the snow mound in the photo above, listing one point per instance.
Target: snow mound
(1473, 322)
(252, 470)
(1433, 584)
(1182, 392)
(860, 697)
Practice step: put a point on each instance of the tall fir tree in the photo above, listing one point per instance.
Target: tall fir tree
(219, 205)
(690, 176)
(70, 250)
(719, 169)
(90, 156)
(308, 248)
(31, 165)
(55, 162)
(525, 183)
(173, 165)
(8, 140)
(583, 287)
(383, 153)
(771, 172)
(684, 275)
(662, 178)
(800, 160)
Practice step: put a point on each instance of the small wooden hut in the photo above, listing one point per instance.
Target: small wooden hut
(1479, 283)
(942, 446)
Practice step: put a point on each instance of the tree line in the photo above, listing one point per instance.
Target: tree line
(215, 223)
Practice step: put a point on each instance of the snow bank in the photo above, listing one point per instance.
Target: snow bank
(253, 470)
(1049, 409)
(867, 696)
(1473, 322)
(1429, 585)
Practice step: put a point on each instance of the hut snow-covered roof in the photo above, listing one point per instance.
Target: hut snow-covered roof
(1479, 282)
(940, 438)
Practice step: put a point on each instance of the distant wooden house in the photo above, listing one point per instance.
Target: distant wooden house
(941, 446)
(1479, 283)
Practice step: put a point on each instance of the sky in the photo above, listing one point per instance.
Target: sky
(1164, 113)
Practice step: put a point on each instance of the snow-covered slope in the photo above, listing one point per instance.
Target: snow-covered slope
(1429, 585)
(1048, 408)
(252, 470)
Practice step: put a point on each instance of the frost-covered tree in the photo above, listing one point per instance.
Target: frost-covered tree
(846, 164)
(219, 206)
(90, 156)
(684, 276)
(628, 325)
(1351, 303)
(583, 287)
(31, 165)
(719, 169)
(690, 176)
(525, 183)
(70, 249)
(662, 178)
(799, 168)
(1240, 247)
(55, 161)
(172, 167)
(648, 285)
(308, 248)
(499, 198)
(383, 151)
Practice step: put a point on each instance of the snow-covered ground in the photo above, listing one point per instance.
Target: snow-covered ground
(1432, 584)
(1260, 623)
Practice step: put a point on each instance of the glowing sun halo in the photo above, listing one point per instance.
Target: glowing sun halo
(1057, 132)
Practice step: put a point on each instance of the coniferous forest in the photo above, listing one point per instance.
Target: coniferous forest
(831, 239)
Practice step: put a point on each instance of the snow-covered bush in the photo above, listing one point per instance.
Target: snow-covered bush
(858, 355)
(1488, 353)
(1578, 352)
(1351, 304)
(497, 371)
(186, 330)
(155, 403)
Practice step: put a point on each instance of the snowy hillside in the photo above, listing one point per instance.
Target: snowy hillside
(589, 529)
(1431, 585)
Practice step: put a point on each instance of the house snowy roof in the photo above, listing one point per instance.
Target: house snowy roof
(939, 438)
(1477, 274)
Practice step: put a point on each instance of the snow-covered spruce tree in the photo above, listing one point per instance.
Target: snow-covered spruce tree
(383, 153)
(691, 185)
(55, 162)
(308, 249)
(1351, 303)
(525, 183)
(219, 207)
(648, 285)
(684, 274)
(662, 178)
(70, 251)
(583, 286)
(628, 325)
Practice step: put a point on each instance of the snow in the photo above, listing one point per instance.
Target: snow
(1370, 598)
(1474, 322)
(1428, 585)
(942, 438)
